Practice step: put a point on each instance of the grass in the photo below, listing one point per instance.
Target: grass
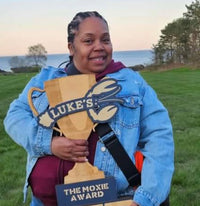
(13, 157)
(178, 89)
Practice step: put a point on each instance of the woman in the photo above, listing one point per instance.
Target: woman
(141, 123)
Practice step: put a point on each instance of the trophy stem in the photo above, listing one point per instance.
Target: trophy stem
(83, 172)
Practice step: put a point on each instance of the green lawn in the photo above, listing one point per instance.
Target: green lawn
(178, 89)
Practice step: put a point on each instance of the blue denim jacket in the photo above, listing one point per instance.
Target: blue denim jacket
(141, 123)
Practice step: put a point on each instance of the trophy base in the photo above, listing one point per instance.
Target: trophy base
(99, 192)
(116, 203)
(86, 185)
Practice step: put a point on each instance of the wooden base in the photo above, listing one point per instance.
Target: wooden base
(85, 172)
(117, 203)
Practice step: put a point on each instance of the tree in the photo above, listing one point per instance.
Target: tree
(180, 40)
(16, 61)
(176, 39)
(193, 13)
(37, 55)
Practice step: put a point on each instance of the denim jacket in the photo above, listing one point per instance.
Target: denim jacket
(141, 123)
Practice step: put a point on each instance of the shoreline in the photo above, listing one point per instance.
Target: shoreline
(128, 58)
(116, 51)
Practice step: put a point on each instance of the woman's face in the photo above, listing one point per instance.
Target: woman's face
(92, 48)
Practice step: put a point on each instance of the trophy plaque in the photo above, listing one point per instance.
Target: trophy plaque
(72, 105)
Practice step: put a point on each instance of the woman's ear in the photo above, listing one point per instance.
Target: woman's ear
(71, 48)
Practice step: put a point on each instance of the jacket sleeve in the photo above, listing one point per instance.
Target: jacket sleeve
(156, 144)
(21, 124)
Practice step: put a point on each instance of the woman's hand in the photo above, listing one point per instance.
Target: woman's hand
(69, 149)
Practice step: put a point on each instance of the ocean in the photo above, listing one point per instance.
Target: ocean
(128, 58)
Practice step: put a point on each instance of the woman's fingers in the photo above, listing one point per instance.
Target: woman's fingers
(68, 149)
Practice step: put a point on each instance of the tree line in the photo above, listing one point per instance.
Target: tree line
(180, 40)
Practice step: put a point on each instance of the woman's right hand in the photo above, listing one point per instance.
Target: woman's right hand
(70, 149)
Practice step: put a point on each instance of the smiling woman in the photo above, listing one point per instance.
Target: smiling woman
(90, 45)
(141, 122)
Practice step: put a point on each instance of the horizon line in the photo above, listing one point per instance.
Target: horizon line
(68, 53)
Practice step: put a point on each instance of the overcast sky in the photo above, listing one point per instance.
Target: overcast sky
(134, 24)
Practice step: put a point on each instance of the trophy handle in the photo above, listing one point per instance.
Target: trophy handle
(30, 92)
(35, 112)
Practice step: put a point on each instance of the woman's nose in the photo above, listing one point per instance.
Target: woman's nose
(98, 45)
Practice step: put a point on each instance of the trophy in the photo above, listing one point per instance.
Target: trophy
(72, 105)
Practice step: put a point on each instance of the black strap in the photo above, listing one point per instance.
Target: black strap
(111, 142)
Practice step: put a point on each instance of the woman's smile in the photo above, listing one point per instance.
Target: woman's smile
(98, 59)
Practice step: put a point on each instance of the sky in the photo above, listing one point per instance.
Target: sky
(133, 24)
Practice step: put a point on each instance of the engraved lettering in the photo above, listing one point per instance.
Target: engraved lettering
(88, 196)
(89, 103)
(92, 188)
(73, 198)
(85, 189)
(79, 104)
(62, 109)
(100, 194)
(72, 191)
(70, 107)
(55, 115)
(81, 196)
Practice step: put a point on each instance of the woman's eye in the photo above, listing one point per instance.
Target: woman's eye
(88, 41)
(106, 41)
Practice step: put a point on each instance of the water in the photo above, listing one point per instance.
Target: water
(132, 58)
(128, 58)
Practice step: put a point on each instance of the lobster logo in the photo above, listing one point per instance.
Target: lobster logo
(100, 102)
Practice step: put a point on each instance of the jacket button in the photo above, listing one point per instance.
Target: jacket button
(103, 149)
(132, 100)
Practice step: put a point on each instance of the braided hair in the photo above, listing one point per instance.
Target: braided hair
(73, 26)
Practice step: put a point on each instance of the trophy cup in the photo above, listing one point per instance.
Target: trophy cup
(71, 106)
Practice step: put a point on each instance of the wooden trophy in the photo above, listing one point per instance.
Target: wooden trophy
(70, 102)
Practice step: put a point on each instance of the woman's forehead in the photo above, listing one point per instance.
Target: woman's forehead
(93, 25)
